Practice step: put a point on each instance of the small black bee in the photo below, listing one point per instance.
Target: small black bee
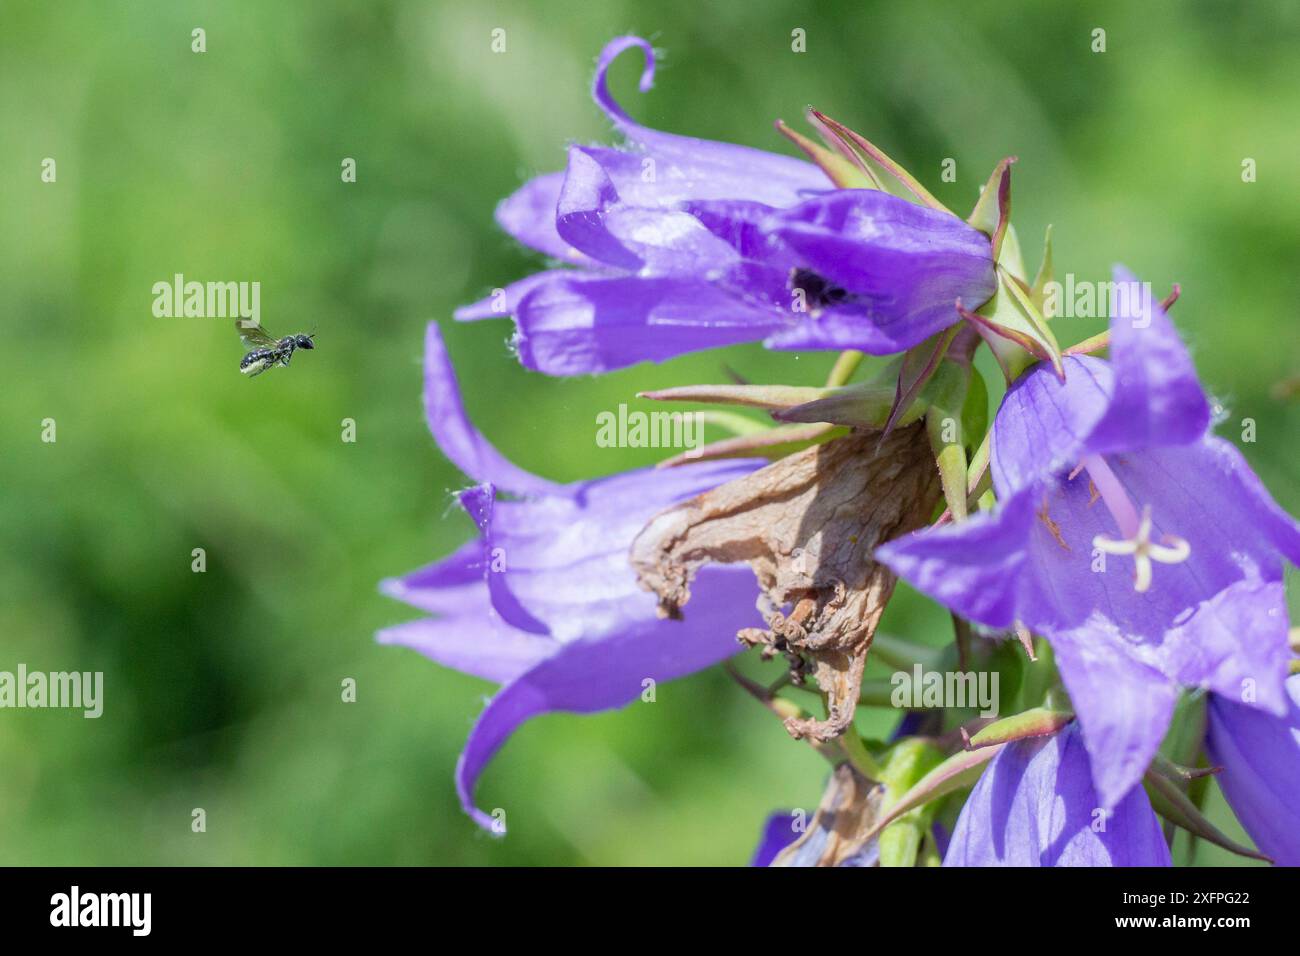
(266, 352)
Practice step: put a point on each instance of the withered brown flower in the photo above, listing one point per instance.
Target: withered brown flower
(807, 524)
(840, 832)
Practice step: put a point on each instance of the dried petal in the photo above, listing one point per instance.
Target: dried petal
(839, 832)
(808, 525)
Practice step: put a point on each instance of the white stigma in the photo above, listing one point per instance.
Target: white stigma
(1135, 532)
(1172, 550)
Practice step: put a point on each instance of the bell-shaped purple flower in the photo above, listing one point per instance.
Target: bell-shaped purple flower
(680, 244)
(1141, 546)
(545, 602)
(1260, 757)
(1035, 805)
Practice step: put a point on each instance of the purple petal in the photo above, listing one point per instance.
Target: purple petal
(1124, 704)
(585, 676)
(480, 503)
(838, 327)
(498, 306)
(441, 587)
(907, 265)
(528, 214)
(778, 833)
(739, 223)
(1035, 806)
(701, 168)
(1261, 511)
(974, 567)
(1188, 497)
(942, 838)
(473, 641)
(1146, 396)
(562, 561)
(1236, 643)
(456, 435)
(637, 231)
(1157, 398)
(1043, 425)
(568, 326)
(641, 180)
(583, 204)
(1260, 756)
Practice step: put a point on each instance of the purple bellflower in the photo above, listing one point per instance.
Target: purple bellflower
(544, 603)
(1035, 805)
(1143, 548)
(1260, 756)
(779, 831)
(679, 244)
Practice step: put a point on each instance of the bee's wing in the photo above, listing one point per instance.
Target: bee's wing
(254, 336)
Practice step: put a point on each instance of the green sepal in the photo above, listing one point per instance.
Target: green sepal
(957, 772)
(1015, 331)
(1176, 807)
(770, 443)
(884, 172)
(844, 173)
(1178, 773)
(1011, 258)
(863, 405)
(770, 397)
(1093, 343)
(992, 212)
(946, 429)
(975, 411)
(1037, 722)
(1181, 749)
(919, 365)
(978, 478)
(1186, 736)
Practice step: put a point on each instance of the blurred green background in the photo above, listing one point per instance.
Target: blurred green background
(223, 688)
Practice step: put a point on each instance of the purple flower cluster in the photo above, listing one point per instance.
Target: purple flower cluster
(1140, 545)
(675, 244)
(1125, 534)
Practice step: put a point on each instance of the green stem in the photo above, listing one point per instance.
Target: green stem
(962, 637)
(858, 755)
(845, 366)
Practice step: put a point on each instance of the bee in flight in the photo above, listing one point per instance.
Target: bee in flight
(266, 352)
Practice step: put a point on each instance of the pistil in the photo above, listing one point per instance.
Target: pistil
(1135, 530)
